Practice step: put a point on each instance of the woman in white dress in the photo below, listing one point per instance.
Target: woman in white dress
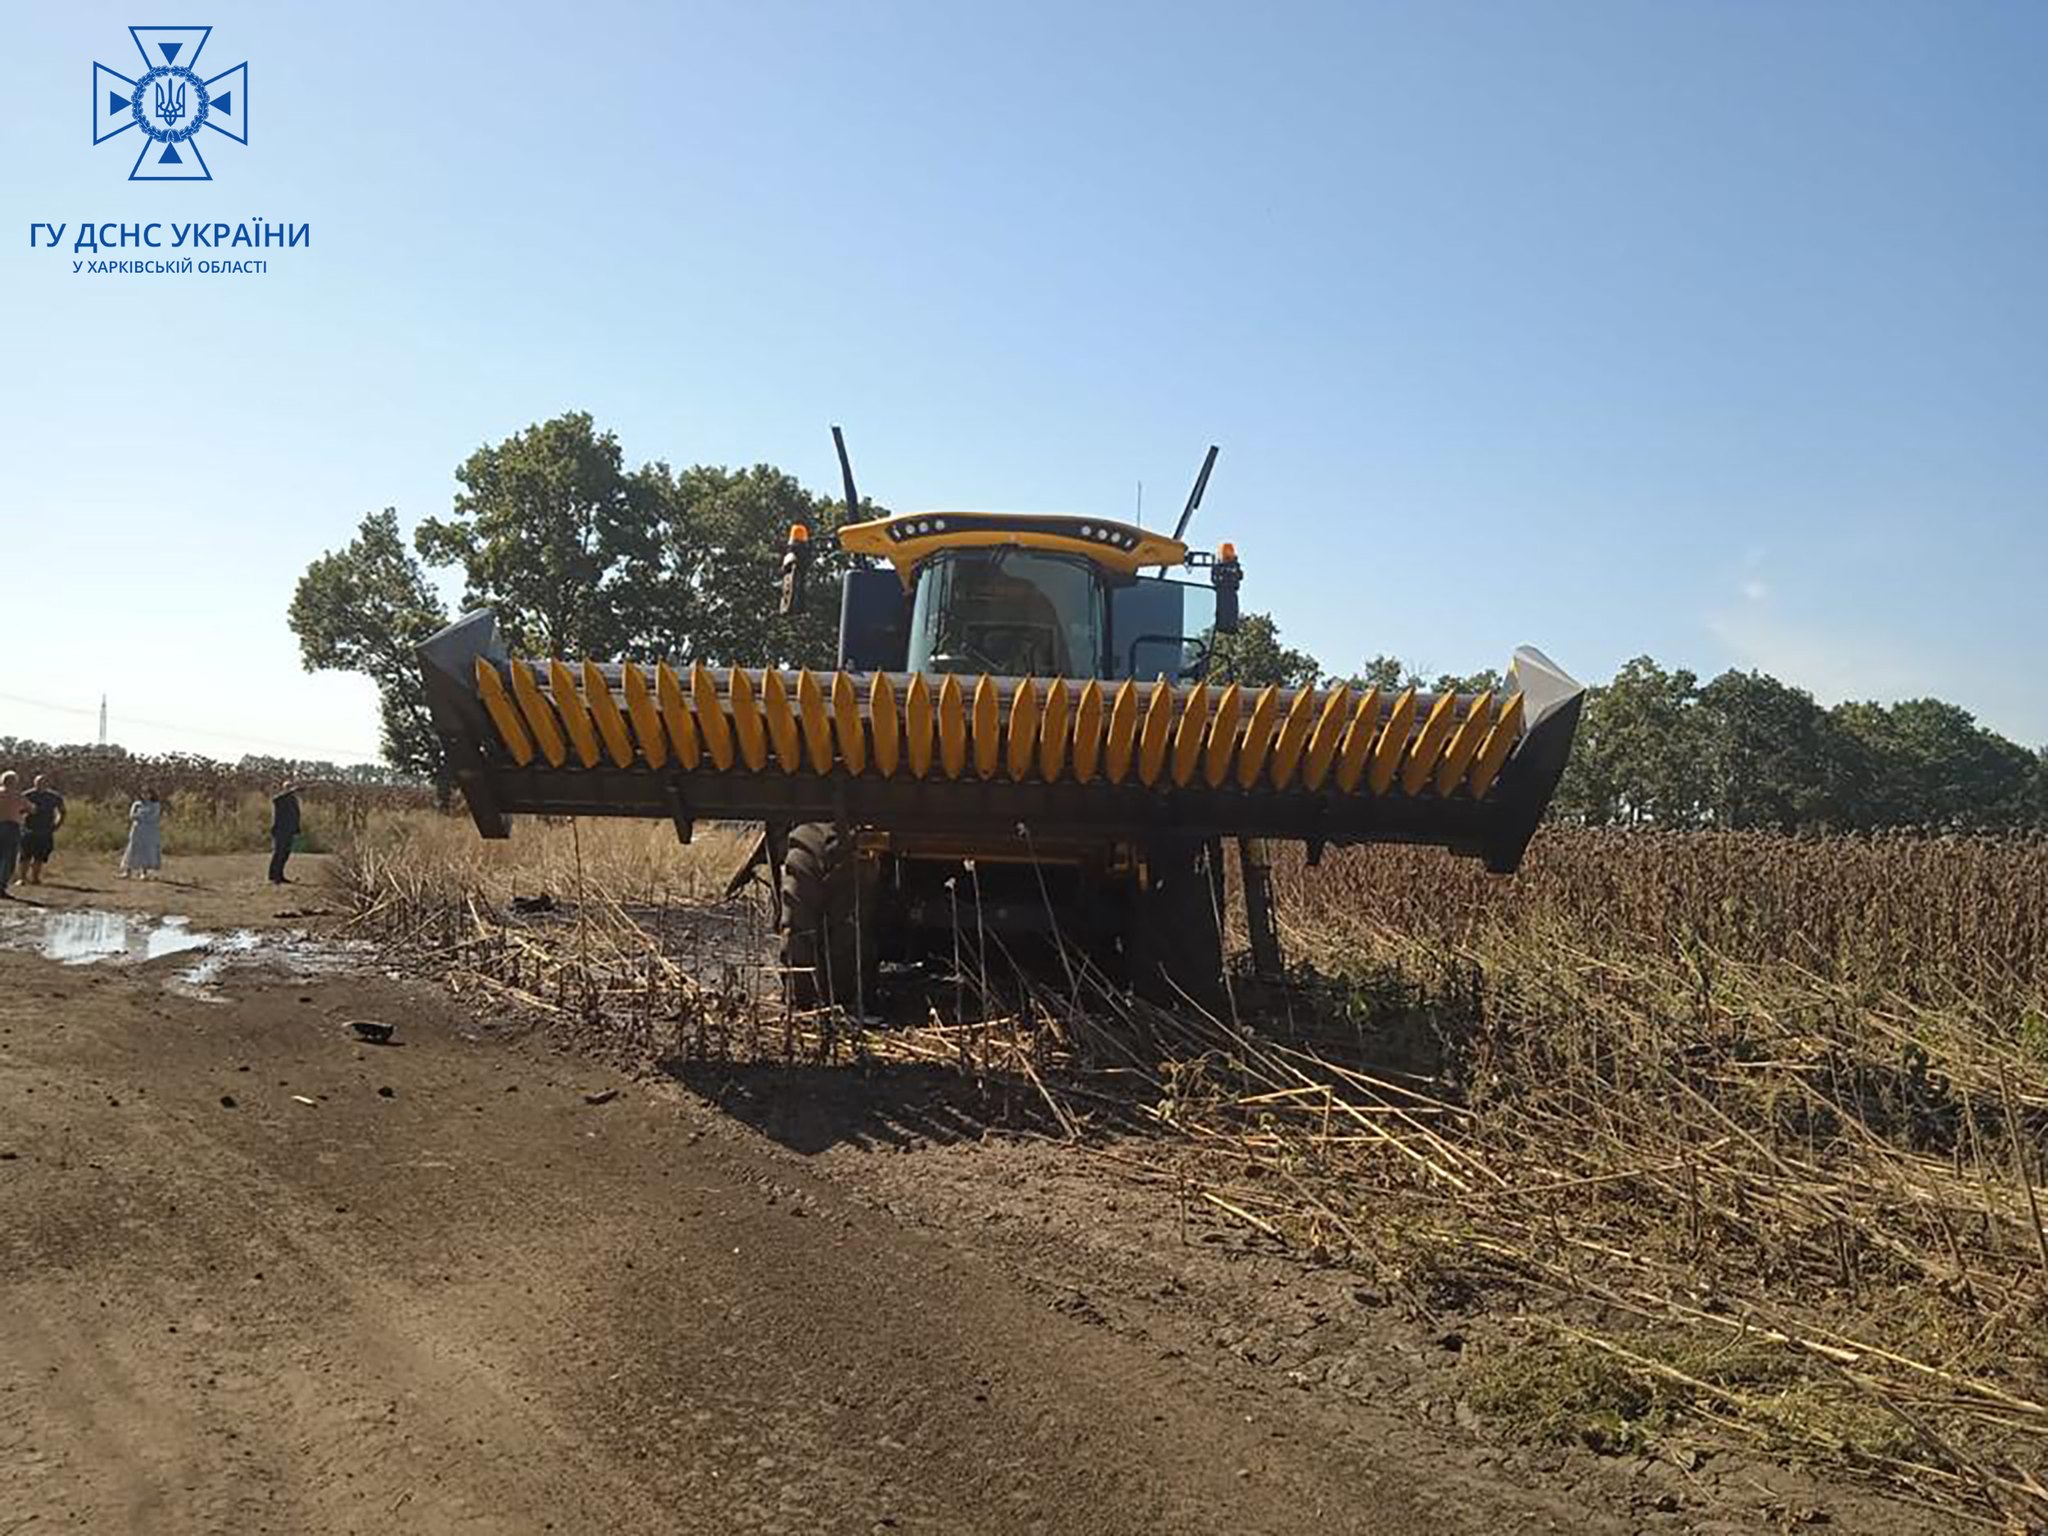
(145, 851)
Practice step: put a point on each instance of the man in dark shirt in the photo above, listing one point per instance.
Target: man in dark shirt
(39, 831)
(13, 811)
(284, 827)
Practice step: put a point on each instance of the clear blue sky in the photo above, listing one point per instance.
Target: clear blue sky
(1717, 332)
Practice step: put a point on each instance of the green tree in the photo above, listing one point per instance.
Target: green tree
(707, 583)
(1775, 758)
(544, 529)
(364, 608)
(1254, 656)
(1389, 674)
(1589, 793)
(1640, 751)
(1485, 680)
(1933, 765)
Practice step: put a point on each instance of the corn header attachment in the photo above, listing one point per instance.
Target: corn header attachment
(1025, 733)
(988, 757)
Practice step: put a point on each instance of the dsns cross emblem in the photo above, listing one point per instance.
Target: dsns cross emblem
(170, 101)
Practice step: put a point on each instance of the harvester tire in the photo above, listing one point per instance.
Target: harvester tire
(829, 944)
(1175, 946)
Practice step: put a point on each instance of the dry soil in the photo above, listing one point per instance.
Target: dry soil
(257, 1274)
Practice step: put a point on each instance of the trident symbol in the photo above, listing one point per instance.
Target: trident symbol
(170, 105)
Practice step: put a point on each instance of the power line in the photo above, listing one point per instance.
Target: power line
(189, 730)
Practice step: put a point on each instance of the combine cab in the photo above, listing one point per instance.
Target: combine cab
(1026, 738)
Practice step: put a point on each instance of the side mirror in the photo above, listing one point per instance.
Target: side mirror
(1228, 576)
(796, 564)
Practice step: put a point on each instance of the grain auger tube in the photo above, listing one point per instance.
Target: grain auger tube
(1024, 735)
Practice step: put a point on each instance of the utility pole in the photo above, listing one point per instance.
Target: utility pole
(103, 719)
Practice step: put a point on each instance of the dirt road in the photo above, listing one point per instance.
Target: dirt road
(256, 1275)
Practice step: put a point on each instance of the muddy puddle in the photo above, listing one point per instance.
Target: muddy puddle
(93, 937)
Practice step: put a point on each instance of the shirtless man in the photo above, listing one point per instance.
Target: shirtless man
(14, 808)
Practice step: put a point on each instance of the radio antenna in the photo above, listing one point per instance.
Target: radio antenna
(1195, 496)
(846, 476)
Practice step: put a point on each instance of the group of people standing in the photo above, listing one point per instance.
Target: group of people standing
(29, 820)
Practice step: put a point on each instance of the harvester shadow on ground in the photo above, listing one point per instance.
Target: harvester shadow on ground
(882, 1087)
(1017, 1044)
(877, 1105)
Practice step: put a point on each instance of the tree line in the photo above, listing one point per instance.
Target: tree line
(114, 770)
(1745, 750)
(1742, 751)
(581, 555)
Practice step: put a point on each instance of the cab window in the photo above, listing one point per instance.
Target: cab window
(1012, 612)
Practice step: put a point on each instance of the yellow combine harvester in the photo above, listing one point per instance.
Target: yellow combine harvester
(1025, 738)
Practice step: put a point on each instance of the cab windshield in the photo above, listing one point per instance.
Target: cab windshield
(1012, 612)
